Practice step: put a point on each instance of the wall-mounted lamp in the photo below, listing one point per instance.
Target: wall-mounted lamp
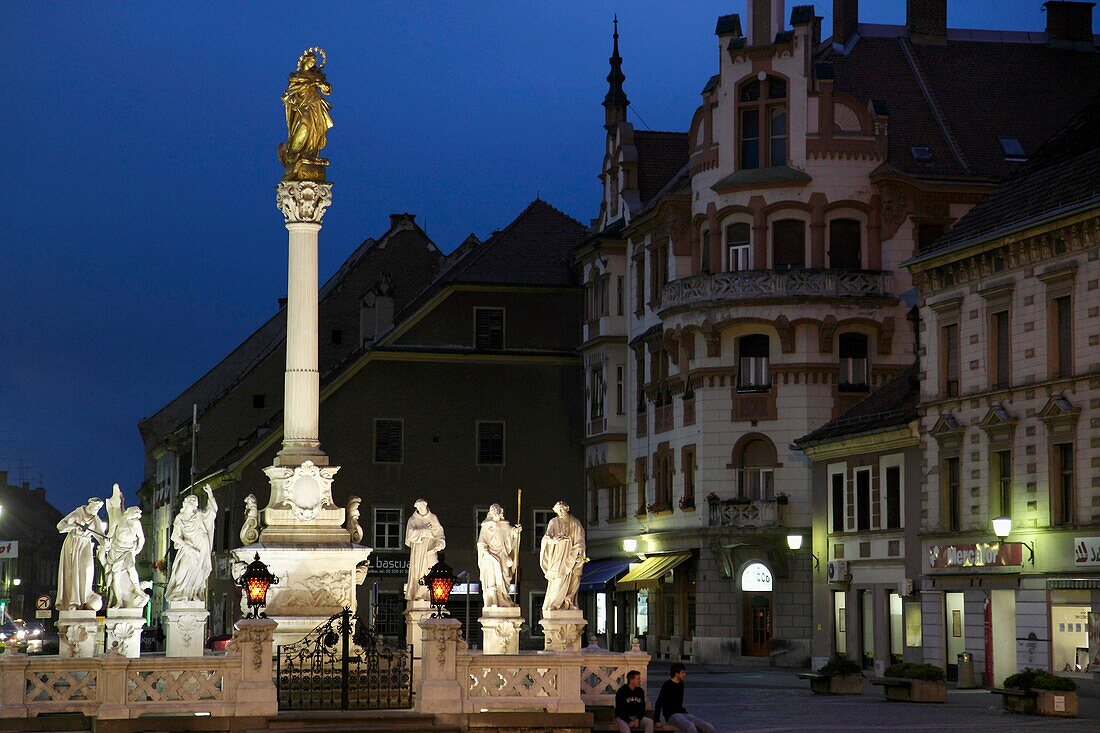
(17, 581)
(630, 545)
(794, 541)
(1002, 527)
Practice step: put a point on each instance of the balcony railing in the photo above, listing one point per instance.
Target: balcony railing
(740, 514)
(759, 284)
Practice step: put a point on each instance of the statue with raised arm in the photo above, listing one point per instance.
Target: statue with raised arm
(562, 557)
(307, 119)
(250, 530)
(118, 553)
(497, 557)
(193, 538)
(425, 539)
(76, 569)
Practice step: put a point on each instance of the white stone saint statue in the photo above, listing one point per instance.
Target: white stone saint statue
(425, 539)
(193, 538)
(250, 530)
(562, 557)
(76, 569)
(119, 551)
(497, 558)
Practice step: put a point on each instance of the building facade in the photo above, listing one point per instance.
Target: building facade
(745, 288)
(1010, 386)
(30, 547)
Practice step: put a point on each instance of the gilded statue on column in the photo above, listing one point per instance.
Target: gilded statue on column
(307, 119)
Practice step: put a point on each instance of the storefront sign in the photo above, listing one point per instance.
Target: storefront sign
(9, 548)
(382, 565)
(1086, 552)
(980, 555)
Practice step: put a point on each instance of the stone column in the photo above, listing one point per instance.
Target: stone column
(415, 612)
(185, 628)
(439, 690)
(124, 627)
(76, 631)
(500, 629)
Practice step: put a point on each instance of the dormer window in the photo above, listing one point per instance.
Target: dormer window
(921, 152)
(762, 123)
(1012, 148)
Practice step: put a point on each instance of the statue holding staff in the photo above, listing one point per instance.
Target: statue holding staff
(497, 557)
(76, 570)
(425, 539)
(193, 538)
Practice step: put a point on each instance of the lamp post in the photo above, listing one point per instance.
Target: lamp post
(255, 581)
(440, 579)
(1002, 527)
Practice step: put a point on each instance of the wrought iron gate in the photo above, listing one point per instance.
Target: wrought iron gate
(344, 664)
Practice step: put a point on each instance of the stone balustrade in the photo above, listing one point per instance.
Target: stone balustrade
(756, 513)
(765, 284)
(238, 683)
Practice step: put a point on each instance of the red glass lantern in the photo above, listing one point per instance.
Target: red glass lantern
(439, 580)
(255, 582)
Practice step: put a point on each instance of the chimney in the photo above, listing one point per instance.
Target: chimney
(1069, 21)
(765, 19)
(845, 20)
(926, 19)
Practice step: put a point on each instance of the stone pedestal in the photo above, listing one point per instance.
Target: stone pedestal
(438, 690)
(500, 629)
(185, 628)
(415, 612)
(76, 632)
(561, 630)
(124, 627)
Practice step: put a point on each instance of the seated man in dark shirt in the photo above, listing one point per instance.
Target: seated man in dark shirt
(630, 705)
(670, 702)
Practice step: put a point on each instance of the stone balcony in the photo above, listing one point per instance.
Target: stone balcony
(771, 284)
(741, 515)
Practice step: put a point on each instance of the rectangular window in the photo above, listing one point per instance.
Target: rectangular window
(480, 513)
(688, 467)
(854, 375)
(863, 498)
(752, 371)
(750, 139)
(737, 245)
(640, 478)
(927, 234)
(952, 493)
(639, 286)
(893, 497)
(1063, 335)
(949, 344)
(596, 390)
(620, 401)
(662, 473)
(387, 529)
(1002, 476)
(489, 329)
(540, 520)
(756, 484)
(490, 443)
(777, 133)
(1062, 500)
(788, 244)
(999, 355)
(836, 490)
(844, 244)
(387, 441)
(704, 254)
(619, 295)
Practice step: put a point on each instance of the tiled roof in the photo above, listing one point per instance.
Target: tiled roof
(661, 155)
(1061, 177)
(892, 405)
(1027, 90)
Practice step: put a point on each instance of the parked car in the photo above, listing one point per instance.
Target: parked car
(218, 643)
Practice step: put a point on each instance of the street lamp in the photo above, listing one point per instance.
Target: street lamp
(1002, 527)
(440, 579)
(794, 541)
(255, 581)
(630, 545)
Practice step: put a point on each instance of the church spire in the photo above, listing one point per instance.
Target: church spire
(615, 102)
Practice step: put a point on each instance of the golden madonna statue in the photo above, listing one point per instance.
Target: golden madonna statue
(307, 119)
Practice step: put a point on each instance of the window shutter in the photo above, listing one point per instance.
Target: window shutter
(490, 443)
(489, 328)
(876, 502)
(849, 502)
(387, 441)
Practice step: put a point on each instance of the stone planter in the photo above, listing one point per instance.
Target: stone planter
(1042, 702)
(845, 684)
(918, 691)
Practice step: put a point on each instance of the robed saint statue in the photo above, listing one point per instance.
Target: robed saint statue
(307, 119)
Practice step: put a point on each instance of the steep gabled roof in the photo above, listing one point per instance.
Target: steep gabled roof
(892, 405)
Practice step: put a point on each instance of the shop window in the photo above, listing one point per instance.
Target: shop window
(854, 370)
(844, 244)
(1061, 501)
(788, 244)
(949, 360)
(737, 247)
(752, 363)
(897, 627)
(840, 621)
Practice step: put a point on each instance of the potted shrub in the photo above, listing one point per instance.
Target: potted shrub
(839, 676)
(1045, 694)
(927, 682)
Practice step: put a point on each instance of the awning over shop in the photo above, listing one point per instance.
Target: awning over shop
(649, 571)
(598, 572)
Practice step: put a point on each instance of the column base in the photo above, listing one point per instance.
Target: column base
(562, 630)
(185, 628)
(76, 631)
(500, 629)
(124, 627)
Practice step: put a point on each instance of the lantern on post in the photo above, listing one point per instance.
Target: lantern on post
(255, 581)
(439, 580)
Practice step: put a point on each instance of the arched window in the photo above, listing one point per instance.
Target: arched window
(737, 245)
(789, 244)
(755, 459)
(762, 123)
(752, 363)
(855, 372)
(844, 244)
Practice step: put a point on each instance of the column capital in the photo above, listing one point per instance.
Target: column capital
(303, 201)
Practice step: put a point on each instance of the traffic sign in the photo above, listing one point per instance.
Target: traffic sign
(43, 614)
(42, 603)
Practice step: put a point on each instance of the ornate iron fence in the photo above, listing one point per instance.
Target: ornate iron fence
(344, 664)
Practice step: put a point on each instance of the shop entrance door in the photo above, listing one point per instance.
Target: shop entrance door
(758, 624)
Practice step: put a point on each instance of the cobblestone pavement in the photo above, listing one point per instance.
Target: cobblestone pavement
(773, 701)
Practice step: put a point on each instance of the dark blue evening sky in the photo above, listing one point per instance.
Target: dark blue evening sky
(140, 241)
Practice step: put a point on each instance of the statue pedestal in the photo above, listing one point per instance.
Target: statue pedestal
(124, 627)
(562, 630)
(76, 631)
(316, 581)
(185, 628)
(415, 612)
(500, 629)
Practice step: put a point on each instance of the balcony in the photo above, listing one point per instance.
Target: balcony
(765, 284)
(741, 514)
(596, 426)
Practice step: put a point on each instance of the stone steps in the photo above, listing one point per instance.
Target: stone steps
(355, 721)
